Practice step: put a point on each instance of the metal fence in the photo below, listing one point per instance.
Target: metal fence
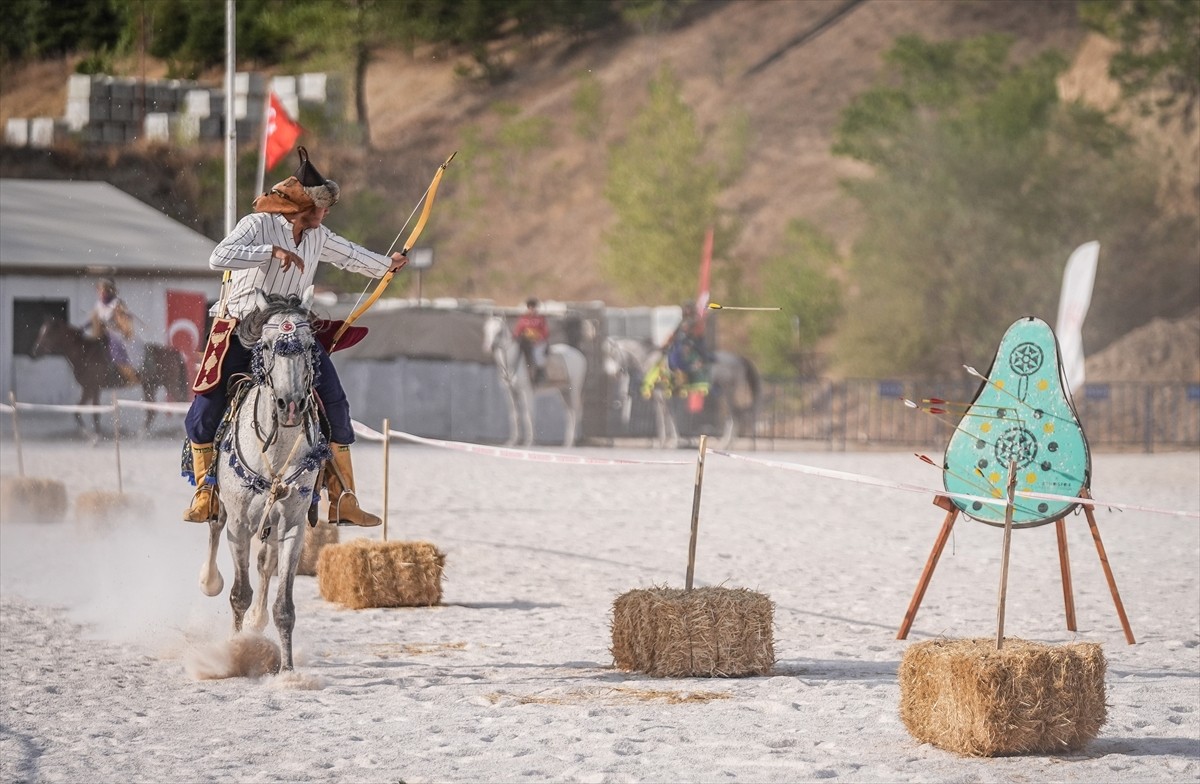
(855, 413)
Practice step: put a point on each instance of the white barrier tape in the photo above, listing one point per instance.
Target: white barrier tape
(870, 480)
(509, 454)
(171, 408)
(65, 409)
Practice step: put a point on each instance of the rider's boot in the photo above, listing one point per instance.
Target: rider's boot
(204, 502)
(343, 502)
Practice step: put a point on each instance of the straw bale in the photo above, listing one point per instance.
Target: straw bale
(315, 539)
(1026, 698)
(107, 506)
(710, 632)
(367, 573)
(32, 499)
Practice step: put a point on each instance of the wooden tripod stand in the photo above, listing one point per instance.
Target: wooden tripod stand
(1060, 528)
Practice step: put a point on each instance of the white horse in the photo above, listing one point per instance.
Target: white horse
(624, 364)
(566, 368)
(268, 461)
(734, 390)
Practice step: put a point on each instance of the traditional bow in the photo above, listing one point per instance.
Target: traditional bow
(428, 196)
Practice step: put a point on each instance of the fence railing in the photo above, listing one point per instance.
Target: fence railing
(853, 413)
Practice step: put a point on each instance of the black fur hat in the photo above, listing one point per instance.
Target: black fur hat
(323, 192)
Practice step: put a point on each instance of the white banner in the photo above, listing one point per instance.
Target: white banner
(1073, 304)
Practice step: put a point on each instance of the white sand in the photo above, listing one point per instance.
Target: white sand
(512, 678)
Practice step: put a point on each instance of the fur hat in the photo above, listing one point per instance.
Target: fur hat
(300, 191)
(323, 192)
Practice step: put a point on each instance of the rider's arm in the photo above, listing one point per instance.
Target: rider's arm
(248, 245)
(347, 255)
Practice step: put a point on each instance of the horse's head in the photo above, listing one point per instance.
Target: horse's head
(495, 334)
(285, 352)
(50, 337)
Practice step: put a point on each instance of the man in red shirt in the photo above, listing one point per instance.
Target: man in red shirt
(533, 335)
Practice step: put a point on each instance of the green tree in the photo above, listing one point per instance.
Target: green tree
(798, 281)
(983, 183)
(1160, 44)
(664, 196)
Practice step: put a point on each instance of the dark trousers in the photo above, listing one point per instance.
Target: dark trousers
(204, 416)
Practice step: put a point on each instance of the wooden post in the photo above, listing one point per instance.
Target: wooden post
(1064, 564)
(1008, 516)
(691, 567)
(1108, 575)
(942, 502)
(12, 400)
(117, 440)
(387, 440)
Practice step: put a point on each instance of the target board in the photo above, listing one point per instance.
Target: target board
(1022, 412)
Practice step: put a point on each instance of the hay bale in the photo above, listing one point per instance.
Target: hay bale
(712, 631)
(107, 506)
(366, 573)
(1026, 698)
(315, 538)
(32, 499)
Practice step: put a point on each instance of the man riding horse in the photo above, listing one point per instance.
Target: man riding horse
(276, 249)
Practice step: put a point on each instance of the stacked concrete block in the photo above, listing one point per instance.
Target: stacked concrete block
(160, 126)
(285, 88)
(16, 131)
(122, 97)
(318, 88)
(89, 100)
(45, 132)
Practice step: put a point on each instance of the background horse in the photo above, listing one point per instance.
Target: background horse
(566, 368)
(94, 369)
(267, 465)
(732, 398)
(624, 363)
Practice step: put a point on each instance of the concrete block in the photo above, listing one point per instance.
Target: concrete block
(46, 131)
(16, 131)
(249, 83)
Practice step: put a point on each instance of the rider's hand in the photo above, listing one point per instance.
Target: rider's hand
(287, 258)
(398, 262)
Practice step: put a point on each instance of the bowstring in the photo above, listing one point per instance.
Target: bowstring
(392, 247)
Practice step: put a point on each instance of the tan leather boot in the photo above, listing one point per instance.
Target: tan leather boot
(204, 502)
(343, 503)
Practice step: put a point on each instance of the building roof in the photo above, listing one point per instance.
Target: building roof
(66, 227)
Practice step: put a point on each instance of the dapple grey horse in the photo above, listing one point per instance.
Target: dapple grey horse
(566, 368)
(268, 462)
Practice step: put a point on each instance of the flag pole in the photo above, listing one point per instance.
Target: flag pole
(230, 123)
(262, 145)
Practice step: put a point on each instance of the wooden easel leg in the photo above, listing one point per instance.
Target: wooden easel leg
(930, 564)
(1064, 564)
(1112, 583)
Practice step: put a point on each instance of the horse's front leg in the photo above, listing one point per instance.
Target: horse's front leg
(211, 581)
(285, 608)
(268, 559)
(241, 593)
(148, 397)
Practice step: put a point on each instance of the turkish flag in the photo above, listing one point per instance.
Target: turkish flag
(282, 132)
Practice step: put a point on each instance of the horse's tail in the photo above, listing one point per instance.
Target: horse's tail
(174, 373)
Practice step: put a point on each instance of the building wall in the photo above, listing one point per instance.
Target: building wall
(49, 379)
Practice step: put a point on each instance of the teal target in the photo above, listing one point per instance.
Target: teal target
(1022, 413)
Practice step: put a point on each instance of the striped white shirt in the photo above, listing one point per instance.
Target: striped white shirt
(247, 252)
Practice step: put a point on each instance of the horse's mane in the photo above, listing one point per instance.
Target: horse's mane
(249, 329)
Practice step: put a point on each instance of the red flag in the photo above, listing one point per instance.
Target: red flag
(282, 132)
(702, 296)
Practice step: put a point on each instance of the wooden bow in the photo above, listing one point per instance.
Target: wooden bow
(428, 196)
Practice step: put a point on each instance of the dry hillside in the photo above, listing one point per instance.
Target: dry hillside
(538, 226)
